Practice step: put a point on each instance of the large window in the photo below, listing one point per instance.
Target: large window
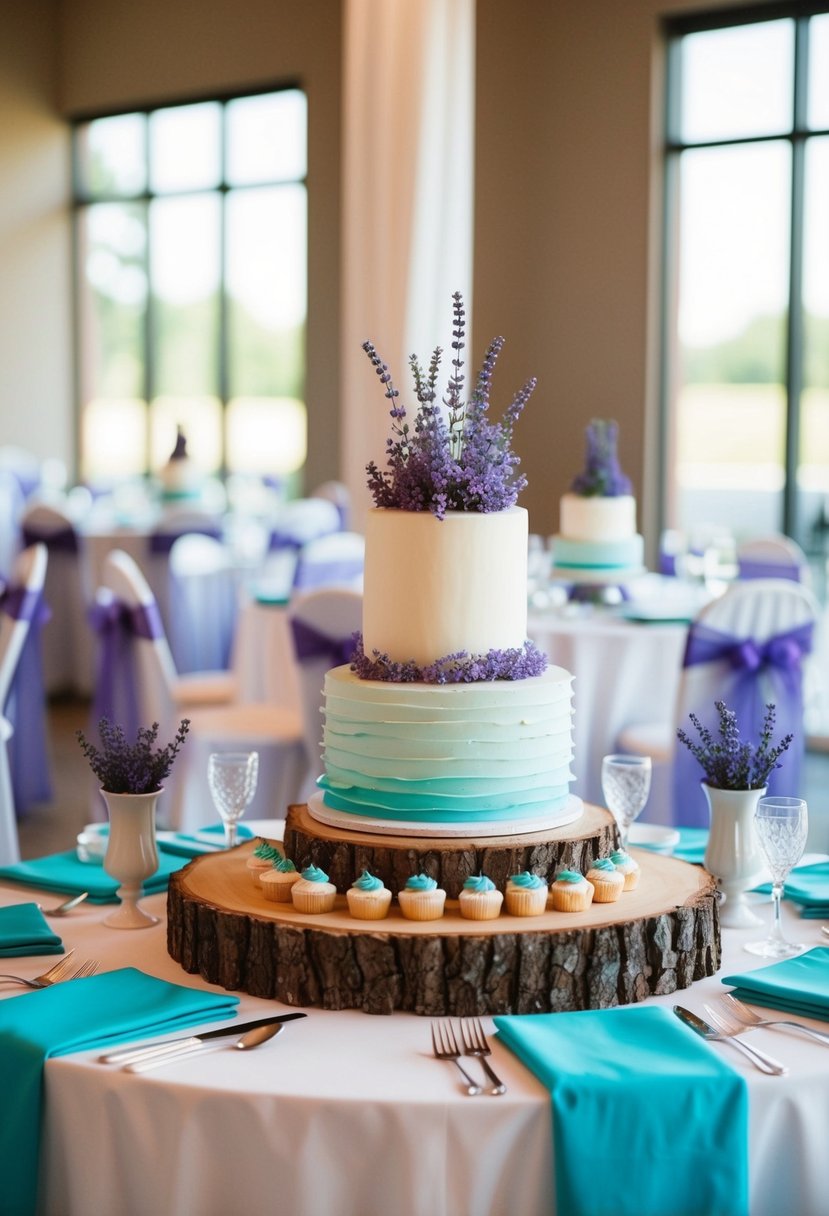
(191, 281)
(747, 282)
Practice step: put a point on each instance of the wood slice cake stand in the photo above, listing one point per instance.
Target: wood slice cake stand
(656, 939)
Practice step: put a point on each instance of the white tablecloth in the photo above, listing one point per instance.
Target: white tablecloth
(623, 673)
(345, 1114)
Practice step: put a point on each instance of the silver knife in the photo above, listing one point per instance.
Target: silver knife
(758, 1058)
(128, 1055)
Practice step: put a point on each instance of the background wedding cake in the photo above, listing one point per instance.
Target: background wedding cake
(597, 517)
(448, 715)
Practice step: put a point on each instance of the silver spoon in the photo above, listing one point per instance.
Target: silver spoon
(825, 929)
(66, 906)
(247, 1042)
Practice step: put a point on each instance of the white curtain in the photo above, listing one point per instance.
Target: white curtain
(408, 133)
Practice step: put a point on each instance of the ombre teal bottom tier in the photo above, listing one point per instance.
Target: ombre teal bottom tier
(493, 751)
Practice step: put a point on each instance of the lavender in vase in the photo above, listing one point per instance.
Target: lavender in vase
(602, 476)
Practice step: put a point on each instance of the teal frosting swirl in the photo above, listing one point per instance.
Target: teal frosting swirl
(530, 882)
(421, 882)
(619, 857)
(284, 865)
(604, 863)
(569, 876)
(368, 882)
(314, 874)
(478, 883)
(266, 851)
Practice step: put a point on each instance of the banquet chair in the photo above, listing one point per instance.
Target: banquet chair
(297, 524)
(66, 645)
(16, 613)
(203, 591)
(174, 523)
(323, 624)
(748, 649)
(338, 493)
(331, 561)
(775, 556)
(219, 719)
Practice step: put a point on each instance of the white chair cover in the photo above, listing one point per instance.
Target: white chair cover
(323, 624)
(29, 573)
(776, 556)
(757, 609)
(338, 493)
(218, 721)
(203, 603)
(331, 561)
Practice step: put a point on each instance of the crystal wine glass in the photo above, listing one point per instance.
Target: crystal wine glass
(626, 783)
(232, 780)
(781, 825)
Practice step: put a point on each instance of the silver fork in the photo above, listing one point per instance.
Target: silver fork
(445, 1047)
(475, 1044)
(62, 970)
(732, 1030)
(752, 1020)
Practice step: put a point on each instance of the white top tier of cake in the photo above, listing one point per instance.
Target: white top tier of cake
(596, 518)
(433, 587)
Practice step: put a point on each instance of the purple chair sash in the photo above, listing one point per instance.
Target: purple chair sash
(309, 644)
(749, 568)
(284, 540)
(26, 705)
(162, 541)
(116, 689)
(310, 575)
(758, 673)
(56, 540)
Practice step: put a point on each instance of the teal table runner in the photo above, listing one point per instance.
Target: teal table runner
(80, 1015)
(647, 1119)
(65, 874)
(795, 985)
(24, 930)
(691, 847)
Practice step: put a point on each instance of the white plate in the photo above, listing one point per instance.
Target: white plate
(652, 836)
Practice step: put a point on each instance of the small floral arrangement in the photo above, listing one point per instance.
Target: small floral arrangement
(729, 762)
(453, 458)
(131, 768)
(602, 477)
(518, 663)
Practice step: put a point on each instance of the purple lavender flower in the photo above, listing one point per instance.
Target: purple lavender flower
(517, 663)
(131, 768)
(602, 477)
(452, 458)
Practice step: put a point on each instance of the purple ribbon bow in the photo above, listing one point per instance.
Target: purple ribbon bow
(756, 673)
(309, 644)
(118, 625)
(26, 704)
(56, 540)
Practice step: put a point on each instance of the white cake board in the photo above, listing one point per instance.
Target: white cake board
(568, 813)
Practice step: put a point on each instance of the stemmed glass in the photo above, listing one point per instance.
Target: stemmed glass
(781, 825)
(232, 780)
(626, 783)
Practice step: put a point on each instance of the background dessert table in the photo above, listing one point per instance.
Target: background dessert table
(345, 1114)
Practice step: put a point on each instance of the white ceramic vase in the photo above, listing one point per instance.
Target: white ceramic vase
(132, 855)
(733, 854)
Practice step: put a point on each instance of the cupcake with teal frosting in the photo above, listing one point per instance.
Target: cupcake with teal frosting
(608, 882)
(479, 900)
(526, 894)
(262, 859)
(276, 883)
(627, 867)
(421, 898)
(571, 892)
(368, 898)
(312, 892)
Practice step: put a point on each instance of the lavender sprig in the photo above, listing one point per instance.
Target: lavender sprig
(452, 458)
(516, 663)
(729, 762)
(602, 476)
(131, 768)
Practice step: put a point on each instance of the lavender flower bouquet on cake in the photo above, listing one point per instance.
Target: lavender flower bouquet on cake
(602, 476)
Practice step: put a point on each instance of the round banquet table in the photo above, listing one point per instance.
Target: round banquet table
(624, 673)
(345, 1114)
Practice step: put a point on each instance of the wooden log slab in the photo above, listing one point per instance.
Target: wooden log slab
(656, 939)
(344, 853)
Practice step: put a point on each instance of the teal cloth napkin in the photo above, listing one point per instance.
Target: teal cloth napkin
(647, 1119)
(796, 985)
(809, 886)
(65, 874)
(80, 1015)
(183, 845)
(692, 844)
(24, 930)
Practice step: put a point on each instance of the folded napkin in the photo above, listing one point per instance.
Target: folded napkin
(647, 1119)
(692, 843)
(23, 930)
(796, 985)
(207, 840)
(809, 886)
(66, 875)
(83, 1015)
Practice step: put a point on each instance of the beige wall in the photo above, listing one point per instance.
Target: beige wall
(567, 217)
(35, 369)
